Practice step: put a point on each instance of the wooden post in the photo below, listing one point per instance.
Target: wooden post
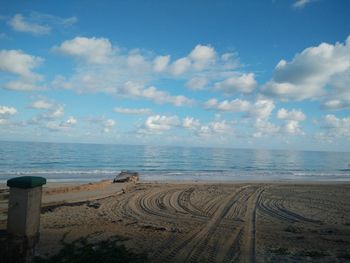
(23, 217)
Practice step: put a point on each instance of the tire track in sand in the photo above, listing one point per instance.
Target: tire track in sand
(201, 245)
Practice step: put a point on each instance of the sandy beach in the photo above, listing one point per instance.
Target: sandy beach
(201, 222)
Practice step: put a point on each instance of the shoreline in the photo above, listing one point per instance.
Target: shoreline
(56, 184)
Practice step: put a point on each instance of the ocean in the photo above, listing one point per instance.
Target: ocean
(68, 162)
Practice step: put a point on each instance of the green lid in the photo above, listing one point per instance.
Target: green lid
(26, 182)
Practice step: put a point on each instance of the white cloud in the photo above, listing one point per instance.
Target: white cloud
(52, 111)
(91, 50)
(180, 66)
(292, 119)
(262, 108)
(22, 85)
(71, 121)
(214, 128)
(63, 126)
(132, 111)
(293, 115)
(18, 23)
(160, 63)
(125, 75)
(312, 71)
(39, 23)
(265, 128)
(301, 3)
(158, 96)
(336, 127)
(197, 83)
(160, 123)
(132, 74)
(22, 65)
(6, 111)
(244, 83)
(335, 104)
(190, 123)
(42, 104)
(202, 56)
(292, 127)
(108, 125)
(236, 105)
(57, 112)
(203, 59)
(69, 21)
(19, 63)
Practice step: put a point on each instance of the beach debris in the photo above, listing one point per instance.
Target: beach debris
(126, 176)
(153, 227)
(93, 205)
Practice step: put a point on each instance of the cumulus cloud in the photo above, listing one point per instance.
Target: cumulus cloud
(132, 111)
(244, 83)
(180, 66)
(236, 105)
(335, 127)
(132, 74)
(265, 128)
(159, 123)
(319, 72)
(70, 122)
(190, 123)
(202, 56)
(294, 115)
(91, 50)
(292, 127)
(42, 104)
(204, 62)
(56, 112)
(125, 74)
(197, 83)
(61, 126)
(158, 96)
(292, 118)
(261, 108)
(336, 104)
(49, 111)
(215, 128)
(108, 125)
(5, 113)
(160, 63)
(20, 64)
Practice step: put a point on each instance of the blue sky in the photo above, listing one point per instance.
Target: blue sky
(251, 74)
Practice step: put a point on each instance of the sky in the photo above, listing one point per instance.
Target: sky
(271, 74)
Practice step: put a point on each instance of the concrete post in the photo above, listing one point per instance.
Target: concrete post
(24, 216)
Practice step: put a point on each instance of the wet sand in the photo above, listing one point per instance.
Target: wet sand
(205, 222)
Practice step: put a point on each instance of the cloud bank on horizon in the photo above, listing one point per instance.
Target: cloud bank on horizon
(61, 82)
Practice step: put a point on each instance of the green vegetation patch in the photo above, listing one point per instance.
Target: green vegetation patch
(82, 251)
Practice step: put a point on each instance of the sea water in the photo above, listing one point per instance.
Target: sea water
(65, 162)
